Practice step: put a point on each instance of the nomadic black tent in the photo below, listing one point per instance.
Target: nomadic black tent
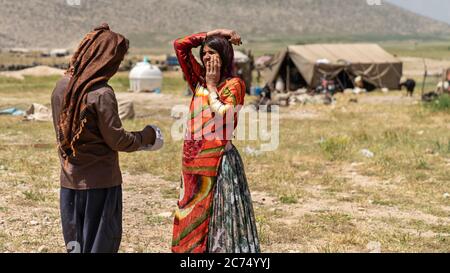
(305, 65)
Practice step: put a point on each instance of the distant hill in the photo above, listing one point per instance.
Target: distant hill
(54, 23)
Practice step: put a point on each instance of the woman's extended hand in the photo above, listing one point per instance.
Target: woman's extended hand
(231, 35)
(213, 72)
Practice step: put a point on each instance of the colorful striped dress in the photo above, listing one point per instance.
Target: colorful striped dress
(207, 143)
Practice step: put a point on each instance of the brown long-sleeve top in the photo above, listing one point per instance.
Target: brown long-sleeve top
(96, 164)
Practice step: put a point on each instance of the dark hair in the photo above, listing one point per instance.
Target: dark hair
(226, 53)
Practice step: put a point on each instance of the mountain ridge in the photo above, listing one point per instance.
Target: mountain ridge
(54, 23)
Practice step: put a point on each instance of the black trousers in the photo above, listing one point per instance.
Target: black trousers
(91, 219)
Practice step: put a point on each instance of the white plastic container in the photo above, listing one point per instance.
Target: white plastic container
(145, 77)
(279, 85)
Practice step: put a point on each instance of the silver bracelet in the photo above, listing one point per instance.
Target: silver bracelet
(159, 141)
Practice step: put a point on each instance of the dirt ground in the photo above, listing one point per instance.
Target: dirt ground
(414, 67)
(37, 71)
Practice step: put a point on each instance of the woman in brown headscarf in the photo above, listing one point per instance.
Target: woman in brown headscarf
(90, 135)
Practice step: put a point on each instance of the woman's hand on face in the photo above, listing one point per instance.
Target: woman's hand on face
(213, 72)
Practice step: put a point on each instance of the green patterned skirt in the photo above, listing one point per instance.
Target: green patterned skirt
(232, 227)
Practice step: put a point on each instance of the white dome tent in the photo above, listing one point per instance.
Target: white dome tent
(145, 77)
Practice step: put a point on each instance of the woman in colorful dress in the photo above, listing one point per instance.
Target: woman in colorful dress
(215, 212)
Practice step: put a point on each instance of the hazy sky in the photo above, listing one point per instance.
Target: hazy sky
(436, 9)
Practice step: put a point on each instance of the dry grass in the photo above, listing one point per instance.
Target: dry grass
(316, 193)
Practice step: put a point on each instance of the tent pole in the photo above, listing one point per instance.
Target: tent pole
(339, 81)
(288, 77)
(425, 74)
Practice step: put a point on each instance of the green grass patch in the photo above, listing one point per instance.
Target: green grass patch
(34, 195)
(336, 148)
(288, 199)
(441, 104)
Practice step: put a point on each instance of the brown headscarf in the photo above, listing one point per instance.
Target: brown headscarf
(95, 61)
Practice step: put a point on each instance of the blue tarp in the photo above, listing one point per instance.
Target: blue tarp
(172, 61)
(12, 111)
